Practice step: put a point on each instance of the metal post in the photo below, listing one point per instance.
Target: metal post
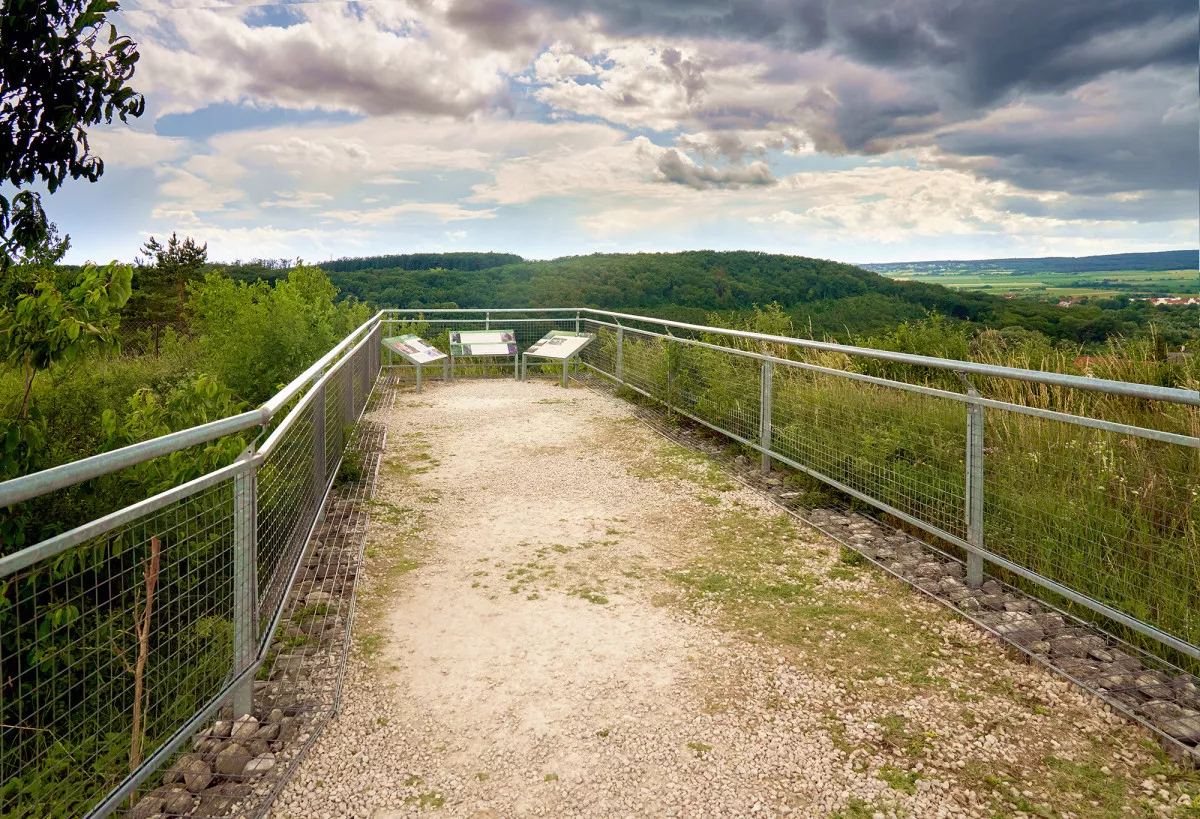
(620, 354)
(445, 369)
(517, 367)
(566, 364)
(487, 321)
(418, 378)
(577, 322)
(245, 583)
(974, 487)
(764, 416)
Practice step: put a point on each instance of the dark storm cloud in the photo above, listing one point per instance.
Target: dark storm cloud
(1139, 136)
(983, 48)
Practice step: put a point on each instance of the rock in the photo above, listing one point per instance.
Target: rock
(260, 765)
(317, 598)
(232, 760)
(992, 601)
(1075, 646)
(195, 771)
(1185, 729)
(220, 728)
(208, 745)
(287, 730)
(147, 806)
(178, 802)
(214, 803)
(1100, 655)
(1040, 647)
(1161, 710)
(789, 495)
(1154, 684)
(970, 604)
(992, 587)
(930, 568)
(245, 728)
(256, 747)
(268, 732)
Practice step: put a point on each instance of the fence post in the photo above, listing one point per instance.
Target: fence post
(620, 354)
(764, 416)
(245, 582)
(487, 321)
(974, 488)
(577, 322)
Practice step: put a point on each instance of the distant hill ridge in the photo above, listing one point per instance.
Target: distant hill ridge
(1158, 260)
(422, 261)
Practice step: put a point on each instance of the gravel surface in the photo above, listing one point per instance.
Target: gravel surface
(556, 621)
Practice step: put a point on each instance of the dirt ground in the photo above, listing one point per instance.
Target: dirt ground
(564, 615)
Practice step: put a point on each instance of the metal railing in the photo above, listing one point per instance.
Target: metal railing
(120, 638)
(1059, 488)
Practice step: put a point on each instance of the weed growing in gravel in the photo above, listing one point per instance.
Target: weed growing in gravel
(899, 780)
(603, 732)
(699, 749)
(551, 777)
(860, 809)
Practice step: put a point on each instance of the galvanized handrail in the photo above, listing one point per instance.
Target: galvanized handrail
(1148, 391)
(49, 480)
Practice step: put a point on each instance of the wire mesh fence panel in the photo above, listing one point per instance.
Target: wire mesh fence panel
(287, 507)
(905, 449)
(108, 648)
(601, 354)
(335, 423)
(645, 364)
(719, 388)
(1113, 516)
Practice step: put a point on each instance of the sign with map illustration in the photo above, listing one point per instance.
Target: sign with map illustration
(559, 344)
(482, 342)
(414, 349)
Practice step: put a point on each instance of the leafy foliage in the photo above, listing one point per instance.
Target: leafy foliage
(58, 76)
(254, 337)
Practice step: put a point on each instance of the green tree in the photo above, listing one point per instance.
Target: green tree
(58, 76)
(172, 266)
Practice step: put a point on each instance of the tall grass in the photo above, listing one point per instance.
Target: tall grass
(1113, 516)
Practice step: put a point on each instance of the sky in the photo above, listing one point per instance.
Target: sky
(856, 130)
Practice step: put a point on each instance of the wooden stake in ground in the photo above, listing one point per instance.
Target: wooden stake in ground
(142, 622)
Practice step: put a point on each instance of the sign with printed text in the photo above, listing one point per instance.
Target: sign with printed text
(559, 344)
(482, 342)
(414, 349)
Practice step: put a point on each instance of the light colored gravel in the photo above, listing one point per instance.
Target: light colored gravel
(522, 651)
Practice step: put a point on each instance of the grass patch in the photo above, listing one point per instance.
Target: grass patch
(699, 749)
(898, 780)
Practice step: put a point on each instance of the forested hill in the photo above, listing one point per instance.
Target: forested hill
(421, 261)
(828, 297)
(1162, 260)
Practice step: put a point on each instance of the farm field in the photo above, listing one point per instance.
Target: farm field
(1093, 283)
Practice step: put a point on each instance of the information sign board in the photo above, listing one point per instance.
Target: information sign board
(414, 349)
(559, 345)
(482, 342)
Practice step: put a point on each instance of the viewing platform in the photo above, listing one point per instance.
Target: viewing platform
(598, 564)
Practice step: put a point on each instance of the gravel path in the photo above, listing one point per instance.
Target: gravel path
(564, 615)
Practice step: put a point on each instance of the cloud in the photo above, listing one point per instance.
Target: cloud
(377, 59)
(297, 199)
(122, 147)
(440, 211)
(672, 166)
